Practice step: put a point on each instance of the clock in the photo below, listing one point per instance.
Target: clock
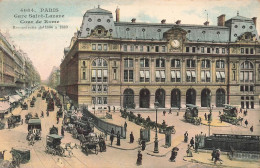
(175, 43)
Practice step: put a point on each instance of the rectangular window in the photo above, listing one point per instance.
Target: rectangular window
(104, 100)
(93, 46)
(141, 48)
(246, 88)
(202, 76)
(193, 49)
(147, 76)
(241, 76)
(104, 88)
(163, 49)
(223, 51)
(125, 47)
(99, 76)
(131, 63)
(114, 74)
(173, 76)
(99, 100)
(93, 76)
(99, 47)
(187, 49)
(258, 75)
(114, 64)
(251, 51)
(93, 88)
(241, 88)
(141, 76)
(131, 75)
(99, 88)
(148, 48)
(162, 76)
(84, 75)
(208, 50)
(251, 88)
(242, 51)
(157, 76)
(105, 75)
(234, 75)
(156, 48)
(132, 47)
(202, 49)
(217, 50)
(105, 47)
(247, 51)
(93, 100)
(126, 75)
(250, 76)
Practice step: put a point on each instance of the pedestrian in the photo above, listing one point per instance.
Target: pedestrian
(217, 157)
(188, 151)
(125, 126)
(42, 115)
(62, 131)
(114, 108)
(108, 108)
(186, 137)
(209, 117)
(143, 145)
(164, 112)
(196, 146)
(131, 137)
(47, 113)
(213, 154)
(139, 158)
(221, 119)
(112, 136)
(219, 113)
(240, 110)
(21, 121)
(205, 115)
(118, 138)
(252, 128)
(246, 122)
(163, 123)
(173, 155)
(170, 111)
(192, 142)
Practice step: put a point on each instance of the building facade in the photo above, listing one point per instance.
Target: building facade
(133, 65)
(54, 78)
(16, 69)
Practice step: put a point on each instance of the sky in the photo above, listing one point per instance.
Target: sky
(45, 47)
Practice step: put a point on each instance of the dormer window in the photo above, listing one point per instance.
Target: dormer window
(99, 31)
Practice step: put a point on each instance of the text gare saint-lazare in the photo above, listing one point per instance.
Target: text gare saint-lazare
(29, 14)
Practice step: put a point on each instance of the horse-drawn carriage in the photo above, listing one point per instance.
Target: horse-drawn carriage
(34, 130)
(50, 106)
(28, 117)
(81, 128)
(60, 113)
(13, 120)
(191, 114)
(24, 106)
(230, 115)
(89, 142)
(19, 155)
(53, 145)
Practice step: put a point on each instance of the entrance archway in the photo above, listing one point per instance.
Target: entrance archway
(175, 98)
(144, 98)
(191, 96)
(128, 101)
(220, 98)
(160, 97)
(205, 98)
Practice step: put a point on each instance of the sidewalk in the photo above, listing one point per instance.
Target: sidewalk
(205, 158)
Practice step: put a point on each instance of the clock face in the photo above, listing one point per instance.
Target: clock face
(175, 43)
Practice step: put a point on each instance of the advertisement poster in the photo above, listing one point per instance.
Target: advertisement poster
(129, 83)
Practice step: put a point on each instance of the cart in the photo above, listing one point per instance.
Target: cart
(53, 147)
(90, 143)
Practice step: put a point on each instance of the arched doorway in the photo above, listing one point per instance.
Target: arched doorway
(160, 97)
(128, 101)
(220, 98)
(191, 96)
(205, 98)
(144, 98)
(175, 98)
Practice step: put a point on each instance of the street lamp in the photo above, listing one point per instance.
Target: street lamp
(156, 150)
(210, 117)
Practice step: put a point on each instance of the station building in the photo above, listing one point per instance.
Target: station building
(134, 64)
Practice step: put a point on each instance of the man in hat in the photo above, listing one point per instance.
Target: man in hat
(252, 128)
(173, 154)
(246, 122)
(192, 142)
(112, 136)
(118, 138)
(131, 137)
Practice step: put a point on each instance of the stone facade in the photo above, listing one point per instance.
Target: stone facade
(132, 65)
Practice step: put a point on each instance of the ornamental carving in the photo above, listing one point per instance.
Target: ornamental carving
(175, 37)
(84, 46)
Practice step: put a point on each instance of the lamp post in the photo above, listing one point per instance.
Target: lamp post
(210, 117)
(156, 150)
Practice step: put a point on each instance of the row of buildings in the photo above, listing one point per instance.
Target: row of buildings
(54, 78)
(16, 69)
(134, 64)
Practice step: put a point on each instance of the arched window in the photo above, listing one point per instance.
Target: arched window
(99, 62)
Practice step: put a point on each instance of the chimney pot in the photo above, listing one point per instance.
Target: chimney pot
(221, 20)
(117, 14)
(178, 22)
(163, 21)
(206, 23)
(254, 20)
(133, 20)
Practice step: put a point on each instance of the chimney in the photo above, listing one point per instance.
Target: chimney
(117, 14)
(163, 21)
(221, 20)
(206, 23)
(254, 20)
(133, 20)
(178, 22)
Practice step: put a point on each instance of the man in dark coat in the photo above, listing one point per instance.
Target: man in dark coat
(186, 136)
(143, 145)
(205, 115)
(192, 142)
(252, 128)
(118, 138)
(62, 131)
(125, 125)
(131, 137)
(139, 158)
(112, 136)
(170, 111)
(173, 154)
(246, 122)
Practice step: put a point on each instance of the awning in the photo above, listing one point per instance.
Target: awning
(207, 74)
(241, 75)
(93, 73)
(4, 106)
(193, 74)
(142, 74)
(163, 74)
(173, 74)
(157, 74)
(99, 73)
(147, 74)
(178, 74)
(202, 75)
(222, 74)
(250, 76)
(188, 73)
(218, 75)
(105, 73)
